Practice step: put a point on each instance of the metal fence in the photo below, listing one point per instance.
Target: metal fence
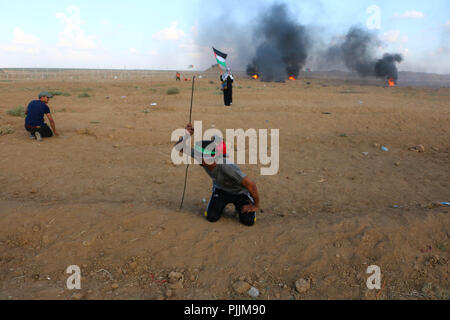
(97, 75)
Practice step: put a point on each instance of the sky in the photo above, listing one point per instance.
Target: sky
(170, 35)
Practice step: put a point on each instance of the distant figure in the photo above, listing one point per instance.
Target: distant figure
(178, 76)
(227, 87)
(34, 121)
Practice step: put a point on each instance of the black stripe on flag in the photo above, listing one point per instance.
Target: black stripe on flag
(220, 54)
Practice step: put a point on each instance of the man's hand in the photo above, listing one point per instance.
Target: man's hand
(251, 187)
(190, 129)
(52, 124)
(249, 208)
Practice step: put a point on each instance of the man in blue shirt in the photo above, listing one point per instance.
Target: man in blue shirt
(34, 122)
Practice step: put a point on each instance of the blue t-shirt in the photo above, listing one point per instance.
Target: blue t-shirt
(36, 111)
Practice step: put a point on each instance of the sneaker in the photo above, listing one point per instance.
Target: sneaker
(32, 136)
(38, 136)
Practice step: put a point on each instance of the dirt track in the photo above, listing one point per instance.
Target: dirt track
(104, 195)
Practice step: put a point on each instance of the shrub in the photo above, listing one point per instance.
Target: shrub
(4, 130)
(59, 93)
(171, 91)
(17, 112)
(84, 95)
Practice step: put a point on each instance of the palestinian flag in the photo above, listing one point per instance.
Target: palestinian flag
(221, 58)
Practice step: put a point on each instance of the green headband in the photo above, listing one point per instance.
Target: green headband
(204, 151)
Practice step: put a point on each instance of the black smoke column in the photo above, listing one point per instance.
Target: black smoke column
(284, 46)
(357, 52)
(386, 67)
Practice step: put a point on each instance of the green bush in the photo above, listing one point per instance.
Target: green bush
(84, 95)
(171, 91)
(59, 93)
(17, 112)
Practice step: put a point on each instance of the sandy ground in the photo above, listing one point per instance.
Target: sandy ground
(105, 196)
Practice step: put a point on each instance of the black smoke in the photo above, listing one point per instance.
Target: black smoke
(357, 52)
(283, 46)
(386, 67)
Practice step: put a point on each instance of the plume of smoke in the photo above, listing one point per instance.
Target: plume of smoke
(357, 52)
(386, 67)
(273, 44)
(283, 47)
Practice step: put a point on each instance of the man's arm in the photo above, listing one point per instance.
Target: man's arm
(251, 187)
(52, 123)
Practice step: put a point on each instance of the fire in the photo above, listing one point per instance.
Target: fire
(391, 82)
(292, 78)
(255, 76)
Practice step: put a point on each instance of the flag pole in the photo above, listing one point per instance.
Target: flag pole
(190, 121)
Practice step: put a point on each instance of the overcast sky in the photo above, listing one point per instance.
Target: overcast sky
(149, 34)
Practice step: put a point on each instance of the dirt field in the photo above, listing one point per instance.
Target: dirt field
(105, 196)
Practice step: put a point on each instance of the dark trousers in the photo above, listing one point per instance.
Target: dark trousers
(220, 199)
(228, 96)
(44, 130)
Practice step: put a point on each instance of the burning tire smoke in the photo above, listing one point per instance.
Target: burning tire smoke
(387, 68)
(277, 47)
(357, 53)
(283, 49)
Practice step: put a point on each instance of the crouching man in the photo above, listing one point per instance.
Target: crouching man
(34, 121)
(230, 184)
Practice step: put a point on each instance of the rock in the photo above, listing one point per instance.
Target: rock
(175, 276)
(397, 164)
(253, 292)
(302, 285)
(241, 287)
(170, 163)
(88, 243)
(420, 148)
(114, 286)
(176, 280)
(77, 296)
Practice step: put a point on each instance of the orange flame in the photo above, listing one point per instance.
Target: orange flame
(255, 76)
(292, 78)
(391, 82)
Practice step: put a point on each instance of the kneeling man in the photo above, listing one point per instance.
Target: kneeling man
(34, 122)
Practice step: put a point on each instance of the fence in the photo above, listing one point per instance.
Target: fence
(96, 75)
